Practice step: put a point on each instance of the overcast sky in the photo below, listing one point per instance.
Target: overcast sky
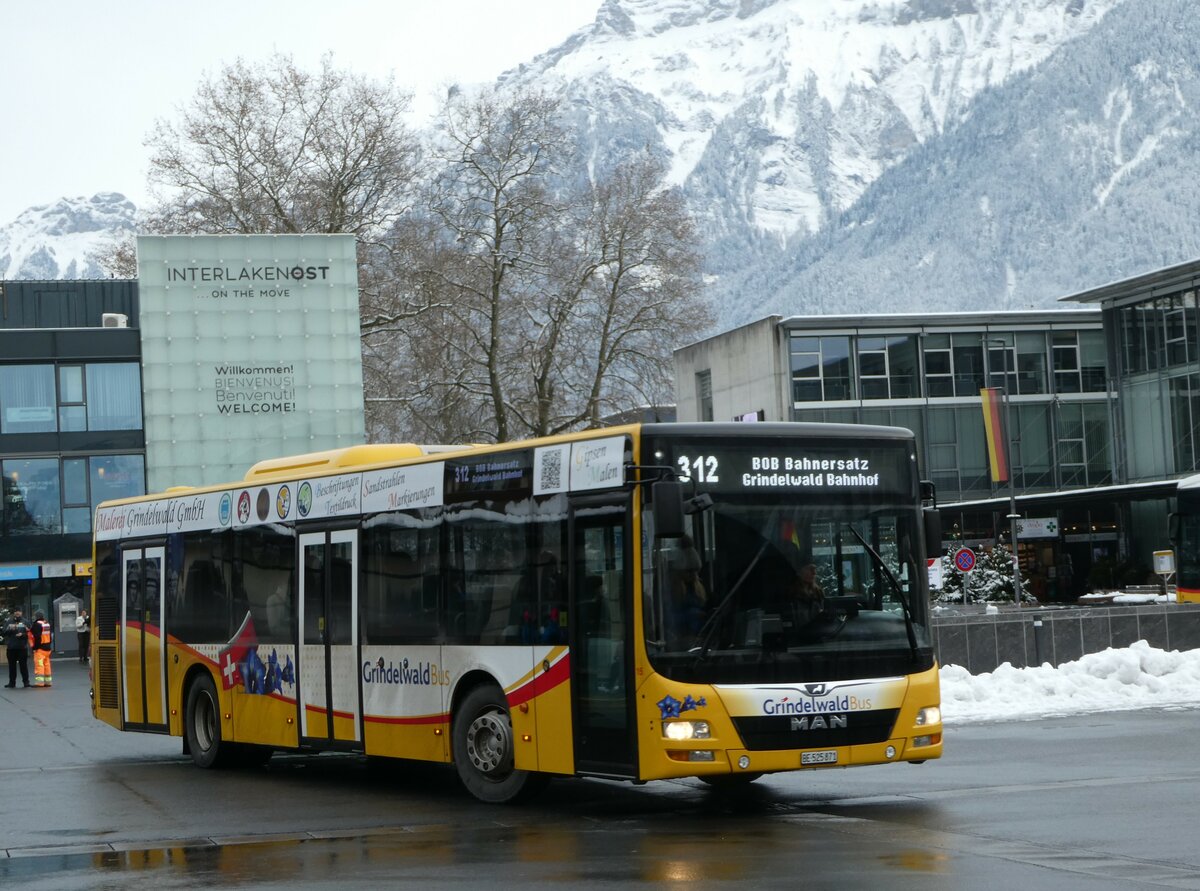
(82, 81)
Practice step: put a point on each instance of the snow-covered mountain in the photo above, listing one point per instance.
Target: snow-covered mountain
(1080, 172)
(60, 240)
(777, 114)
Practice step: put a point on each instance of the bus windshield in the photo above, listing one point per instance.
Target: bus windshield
(772, 587)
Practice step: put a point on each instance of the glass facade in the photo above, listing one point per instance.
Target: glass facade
(1056, 378)
(1159, 381)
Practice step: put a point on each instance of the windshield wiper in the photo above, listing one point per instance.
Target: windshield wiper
(909, 622)
(710, 627)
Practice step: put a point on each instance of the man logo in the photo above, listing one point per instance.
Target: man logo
(820, 722)
(814, 689)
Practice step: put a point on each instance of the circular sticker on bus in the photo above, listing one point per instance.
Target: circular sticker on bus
(304, 499)
(283, 502)
(263, 503)
(244, 507)
(226, 509)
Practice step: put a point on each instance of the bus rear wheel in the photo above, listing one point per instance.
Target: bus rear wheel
(484, 749)
(202, 724)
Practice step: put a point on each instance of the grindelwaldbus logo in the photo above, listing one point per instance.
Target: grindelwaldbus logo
(226, 510)
(404, 673)
(304, 499)
(283, 502)
(815, 706)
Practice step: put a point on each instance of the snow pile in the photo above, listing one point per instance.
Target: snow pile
(1140, 676)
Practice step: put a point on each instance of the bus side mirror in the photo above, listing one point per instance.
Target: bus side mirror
(1173, 528)
(933, 531)
(668, 508)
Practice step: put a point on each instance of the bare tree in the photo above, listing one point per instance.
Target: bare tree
(535, 301)
(118, 257)
(272, 148)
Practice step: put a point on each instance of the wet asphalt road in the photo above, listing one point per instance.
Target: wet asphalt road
(1104, 801)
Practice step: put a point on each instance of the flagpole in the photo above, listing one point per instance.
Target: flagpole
(1013, 516)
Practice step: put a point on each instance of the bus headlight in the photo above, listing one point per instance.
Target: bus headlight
(931, 715)
(678, 730)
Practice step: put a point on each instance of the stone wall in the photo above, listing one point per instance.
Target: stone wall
(982, 642)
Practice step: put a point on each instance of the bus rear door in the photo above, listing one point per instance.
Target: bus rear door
(327, 662)
(143, 640)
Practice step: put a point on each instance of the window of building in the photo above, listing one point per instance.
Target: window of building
(820, 369)
(49, 496)
(943, 451)
(1175, 322)
(872, 367)
(114, 396)
(704, 395)
(968, 364)
(887, 367)
(1002, 361)
(1031, 363)
(117, 476)
(1066, 362)
(76, 502)
(1092, 360)
(1133, 346)
(953, 365)
(72, 408)
(1185, 421)
(939, 367)
(70, 398)
(1083, 432)
(1033, 450)
(32, 495)
(27, 399)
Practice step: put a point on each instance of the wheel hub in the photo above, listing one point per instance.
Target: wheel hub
(489, 743)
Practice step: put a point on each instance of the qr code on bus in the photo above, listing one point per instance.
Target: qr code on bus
(550, 473)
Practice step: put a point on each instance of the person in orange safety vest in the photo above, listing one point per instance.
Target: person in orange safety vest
(41, 650)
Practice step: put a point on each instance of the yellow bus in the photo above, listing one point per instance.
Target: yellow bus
(640, 602)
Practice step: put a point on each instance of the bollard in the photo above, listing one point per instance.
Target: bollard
(1038, 632)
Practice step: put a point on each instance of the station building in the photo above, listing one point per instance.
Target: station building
(1101, 401)
(224, 351)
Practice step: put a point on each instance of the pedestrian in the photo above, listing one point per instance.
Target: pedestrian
(42, 645)
(83, 630)
(16, 641)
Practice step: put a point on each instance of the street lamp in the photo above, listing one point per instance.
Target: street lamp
(1013, 516)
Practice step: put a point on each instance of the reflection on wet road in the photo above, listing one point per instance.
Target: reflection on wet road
(1095, 802)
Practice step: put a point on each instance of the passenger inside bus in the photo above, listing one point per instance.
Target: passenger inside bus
(688, 605)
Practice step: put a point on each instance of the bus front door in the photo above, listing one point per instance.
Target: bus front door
(327, 664)
(143, 640)
(599, 619)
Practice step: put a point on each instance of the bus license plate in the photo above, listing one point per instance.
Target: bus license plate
(829, 757)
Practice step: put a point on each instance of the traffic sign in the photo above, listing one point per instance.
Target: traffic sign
(964, 559)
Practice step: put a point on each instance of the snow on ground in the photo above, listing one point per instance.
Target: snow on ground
(1139, 676)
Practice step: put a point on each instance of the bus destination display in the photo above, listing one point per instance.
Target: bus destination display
(772, 467)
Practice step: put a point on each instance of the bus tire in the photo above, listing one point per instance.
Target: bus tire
(483, 744)
(202, 724)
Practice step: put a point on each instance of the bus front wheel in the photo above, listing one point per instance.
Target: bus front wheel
(483, 749)
(203, 725)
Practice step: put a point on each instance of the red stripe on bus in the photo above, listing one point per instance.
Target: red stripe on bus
(543, 682)
(419, 719)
